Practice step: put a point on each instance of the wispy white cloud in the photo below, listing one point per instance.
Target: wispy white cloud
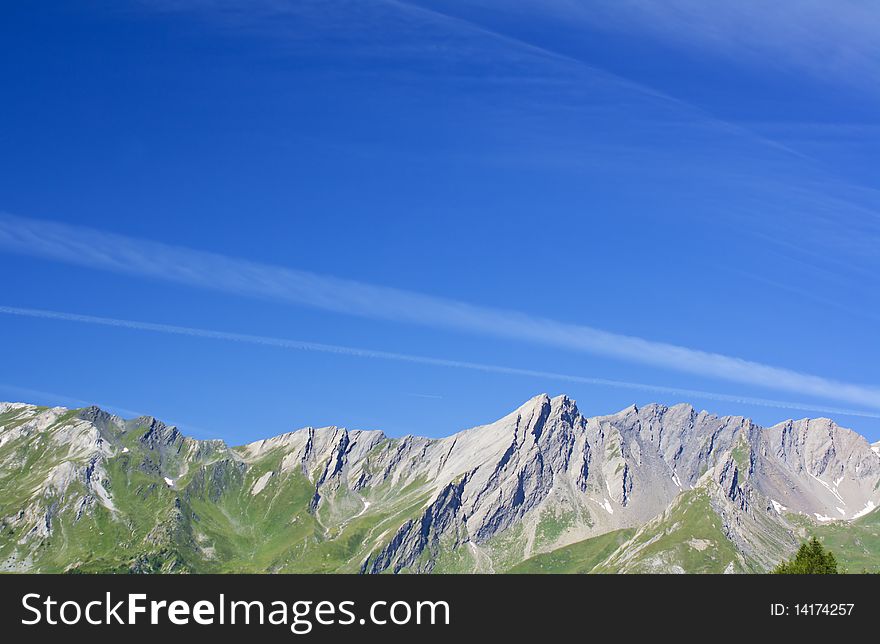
(118, 253)
(827, 220)
(821, 215)
(369, 30)
(806, 294)
(441, 35)
(834, 41)
(299, 345)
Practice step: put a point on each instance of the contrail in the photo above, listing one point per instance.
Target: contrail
(35, 395)
(101, 250)
(416, 359)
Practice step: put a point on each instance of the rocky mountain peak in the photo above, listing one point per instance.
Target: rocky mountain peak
(541, 477)
(156, 433)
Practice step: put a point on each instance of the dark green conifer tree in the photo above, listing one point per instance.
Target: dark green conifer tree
(811, 559)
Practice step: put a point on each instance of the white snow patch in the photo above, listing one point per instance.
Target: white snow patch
(169, 482)
(676, 479)
(607, 506)
(876, 447)
(125, 450)
(823, 518)
(778, 506)
(837, 482)
(842, 511)
(865, 510)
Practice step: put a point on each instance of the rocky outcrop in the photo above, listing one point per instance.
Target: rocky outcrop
(539, 478)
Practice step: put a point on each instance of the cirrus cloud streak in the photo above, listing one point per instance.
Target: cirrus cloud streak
(121, 254)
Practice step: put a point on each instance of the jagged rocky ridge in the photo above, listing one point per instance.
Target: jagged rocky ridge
(83, 490)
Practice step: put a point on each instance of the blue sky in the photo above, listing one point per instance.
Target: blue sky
(245, 217)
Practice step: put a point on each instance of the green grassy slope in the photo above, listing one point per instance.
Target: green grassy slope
(212, 518)
(578, 558)
(856, 545)
(687, 537)
(208, 520)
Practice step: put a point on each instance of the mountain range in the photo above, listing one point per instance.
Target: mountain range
(543, 489)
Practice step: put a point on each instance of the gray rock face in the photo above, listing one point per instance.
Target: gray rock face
(608, 472)
(539, 478)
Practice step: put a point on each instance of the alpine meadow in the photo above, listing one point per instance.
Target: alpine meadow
(544, 489)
